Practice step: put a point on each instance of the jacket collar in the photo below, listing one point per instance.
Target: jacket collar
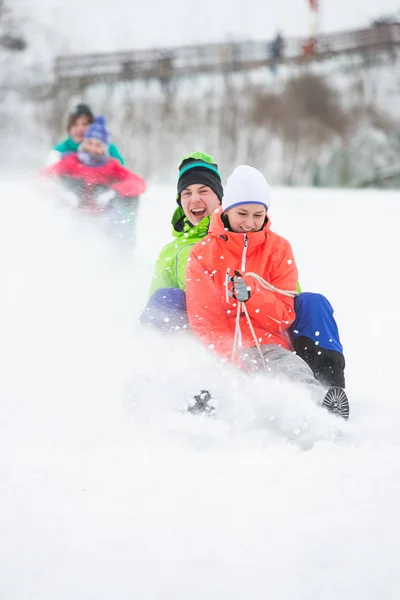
(71, 145)
(235, 241)
(182, 228)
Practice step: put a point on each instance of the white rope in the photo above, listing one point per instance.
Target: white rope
(242, 307)
(236, 334)
(270, 287)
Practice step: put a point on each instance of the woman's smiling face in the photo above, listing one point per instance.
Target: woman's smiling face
(245, 218)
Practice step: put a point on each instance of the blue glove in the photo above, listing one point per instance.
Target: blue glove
(238, 289)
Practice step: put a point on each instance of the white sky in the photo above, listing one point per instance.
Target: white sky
(98, 25)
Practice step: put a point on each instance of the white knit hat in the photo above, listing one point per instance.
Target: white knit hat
(246, 185)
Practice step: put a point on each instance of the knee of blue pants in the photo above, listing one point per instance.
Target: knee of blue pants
(166, 309)
(315, 320)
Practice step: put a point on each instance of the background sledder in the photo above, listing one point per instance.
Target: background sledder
(95, 182)
(79, 119)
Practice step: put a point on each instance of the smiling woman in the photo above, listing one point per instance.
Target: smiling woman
(245, 218)
(245, 208)
(241, 286)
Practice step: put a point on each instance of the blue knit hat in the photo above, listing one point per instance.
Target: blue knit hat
(98, 130)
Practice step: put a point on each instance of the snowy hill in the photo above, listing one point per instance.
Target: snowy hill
(108, 490)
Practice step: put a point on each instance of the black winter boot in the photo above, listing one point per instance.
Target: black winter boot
(327, 365)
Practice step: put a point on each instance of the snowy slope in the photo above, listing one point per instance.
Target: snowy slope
(108, 490)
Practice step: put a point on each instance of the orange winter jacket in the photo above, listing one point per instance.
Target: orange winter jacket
(212, 312)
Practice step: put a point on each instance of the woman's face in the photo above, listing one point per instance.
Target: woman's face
(93, 146)
(246, 217)
(78, 129)
(198, 201)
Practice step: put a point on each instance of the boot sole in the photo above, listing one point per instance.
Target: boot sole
(336, 401)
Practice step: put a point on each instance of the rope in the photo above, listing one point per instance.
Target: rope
(241, 306)
(236, 334)
(270, 287)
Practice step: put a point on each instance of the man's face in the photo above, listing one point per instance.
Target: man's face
(198, 201)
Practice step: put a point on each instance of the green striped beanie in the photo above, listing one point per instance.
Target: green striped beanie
(199, 168)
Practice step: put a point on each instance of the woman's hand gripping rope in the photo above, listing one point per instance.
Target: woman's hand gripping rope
(237, 288)
(241, 292)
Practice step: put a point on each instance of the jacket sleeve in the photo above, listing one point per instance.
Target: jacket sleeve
(271, 309)
(207, 318)
(127, 184)
(162, 275)
(53, 157)
(114, 152)
(170, 268)
(62, 167)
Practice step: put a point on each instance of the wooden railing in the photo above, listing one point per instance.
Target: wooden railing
(165, 63)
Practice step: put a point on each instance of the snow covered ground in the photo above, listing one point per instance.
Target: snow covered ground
(109, 490)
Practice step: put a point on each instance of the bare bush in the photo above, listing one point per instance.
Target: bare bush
(267, 108)
(311, 97)
(306, 99)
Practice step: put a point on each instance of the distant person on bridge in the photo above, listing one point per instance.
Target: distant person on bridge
(314, 334)
(93, 179)
(277, 47)
(275, 51)
(78, 121)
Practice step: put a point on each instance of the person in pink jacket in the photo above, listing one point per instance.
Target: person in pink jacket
(240, 289)
(92, 178)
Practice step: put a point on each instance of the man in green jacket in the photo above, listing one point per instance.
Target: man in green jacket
(199, 194)
(314, 333)
(79, 120)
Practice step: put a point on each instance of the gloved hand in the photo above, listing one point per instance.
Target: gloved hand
(71, 198)
(237, 288)
(104, 199)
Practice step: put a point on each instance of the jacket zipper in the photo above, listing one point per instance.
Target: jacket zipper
(244, 253)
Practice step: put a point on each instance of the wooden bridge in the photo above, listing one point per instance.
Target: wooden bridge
(381, 39)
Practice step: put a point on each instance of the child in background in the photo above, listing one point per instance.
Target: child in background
(79, 119)
(92, 178)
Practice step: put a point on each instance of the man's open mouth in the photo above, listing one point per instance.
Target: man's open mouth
(198, 212)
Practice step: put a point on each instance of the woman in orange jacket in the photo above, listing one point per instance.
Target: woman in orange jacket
(240, 288)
